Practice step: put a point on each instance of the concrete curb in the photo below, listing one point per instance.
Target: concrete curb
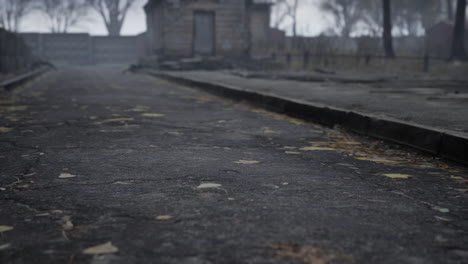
(438, 142)
(23, 78)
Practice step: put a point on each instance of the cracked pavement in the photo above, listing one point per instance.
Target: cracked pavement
(169, 174)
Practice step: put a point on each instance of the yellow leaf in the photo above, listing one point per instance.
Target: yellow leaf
(5, 228)
(316, 148)
(398, 176)
(247, 162)
(106, 248)
(118, 119)
(66, 176)
(457, 178)
(5, 129)
(292, 153)
(164, 217)
(152, 115)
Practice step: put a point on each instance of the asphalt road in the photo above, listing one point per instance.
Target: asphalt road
(169, 174)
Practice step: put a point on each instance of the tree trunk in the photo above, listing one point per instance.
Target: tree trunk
(458, 42)
(114, 25)
(387, 30)
(449, 10)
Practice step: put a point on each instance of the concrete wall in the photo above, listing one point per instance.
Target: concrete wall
(83, 49)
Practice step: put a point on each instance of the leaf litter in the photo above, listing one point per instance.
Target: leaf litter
(373, 151)
(309, 254)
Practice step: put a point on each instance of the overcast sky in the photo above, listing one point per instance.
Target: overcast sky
(311, 22)
(134, 24)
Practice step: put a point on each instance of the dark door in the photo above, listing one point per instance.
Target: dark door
(203, 33)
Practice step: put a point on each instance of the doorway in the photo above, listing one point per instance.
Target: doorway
(204, 33)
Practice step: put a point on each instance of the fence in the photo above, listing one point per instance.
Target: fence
(14, 53)
(306, 61)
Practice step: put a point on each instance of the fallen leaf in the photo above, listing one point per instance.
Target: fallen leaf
(152, 115)
(174, 133)
(106, 248)
(461, 190)
(66, 176)
(83, 228)
(292, 152)
(398, 176)
(42, 214)
(4, 246)
(380, 160)
(67, 224)
(14, 108)
(208, 185)
(456, 177)
(5, 228)
(317, 148)
(441, 209)
(5, 129)
(309, 254)
(247, 162)
(267, 130)
(164, 217)
(123, 119)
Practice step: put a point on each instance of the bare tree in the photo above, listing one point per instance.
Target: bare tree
(12, 13)
(458, 42)
(287, 9)
(113, 13)
(63, 14)
(387, 29)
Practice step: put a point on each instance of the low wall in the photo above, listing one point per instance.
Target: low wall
(83, 49)
(14, 53)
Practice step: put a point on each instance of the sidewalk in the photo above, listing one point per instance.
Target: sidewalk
(432, 116)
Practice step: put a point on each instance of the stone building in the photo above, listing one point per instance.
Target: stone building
(190, 28)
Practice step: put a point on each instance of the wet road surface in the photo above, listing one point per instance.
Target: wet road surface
(153, 172)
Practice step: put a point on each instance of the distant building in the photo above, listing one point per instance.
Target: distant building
(439, 39)
(188, 28)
